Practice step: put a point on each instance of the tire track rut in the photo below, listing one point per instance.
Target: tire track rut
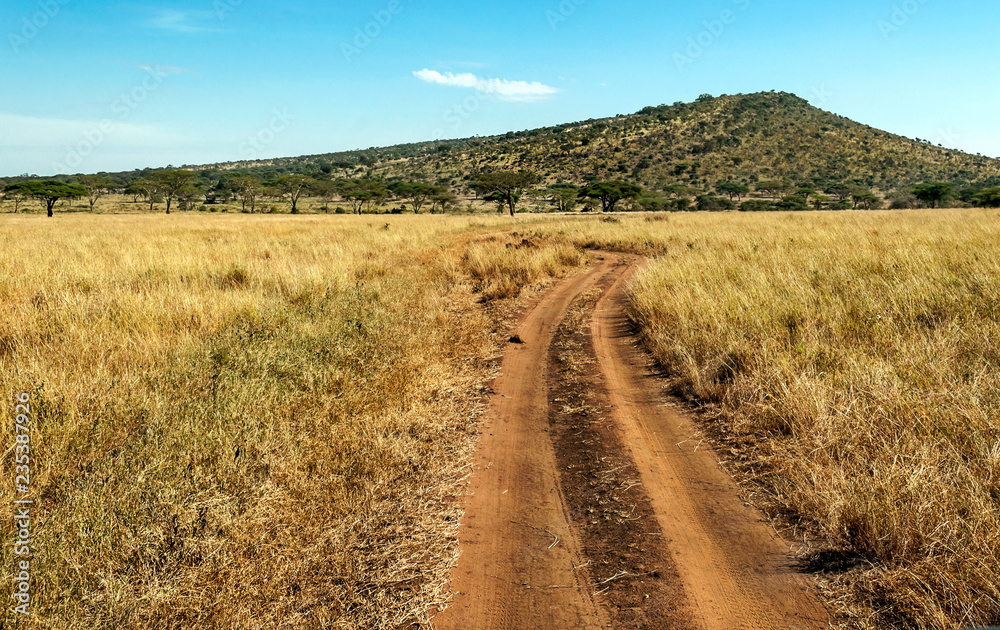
(522, 564)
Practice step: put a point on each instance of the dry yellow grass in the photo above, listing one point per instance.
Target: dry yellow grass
(854, 360)
(248, 422)
(245, 422)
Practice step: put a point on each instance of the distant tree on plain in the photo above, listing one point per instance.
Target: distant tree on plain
(97, 186)
(563, 196)
(609, 193)
(365, 193)
(443, 200)
(865, 199)
(733, 189)
(171, 184)
(806, 192)
(292, 187)
(17, 197)
(47, 191)
(136, 189)
(506, 187)
(772, 188)
(415, 192)
(934, 193)
(247, 188)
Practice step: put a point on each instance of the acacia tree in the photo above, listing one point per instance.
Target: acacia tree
(292, 187)
(97, 186)
(417, 193)
(359, 194)
(47, 191)
(506, 187)
(378, 194)
(563, 196)
(772, 188)
(170, 184)
(733, 189)
(247, 188)
(934, 193)
(146, 189)
(356, 197)
(989, 198)
(443, 200)
(136, 189)
(865, 199)
(840, 191)
(17, 197)
(609, 193)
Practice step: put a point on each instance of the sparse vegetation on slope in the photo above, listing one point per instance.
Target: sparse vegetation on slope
(772, 145)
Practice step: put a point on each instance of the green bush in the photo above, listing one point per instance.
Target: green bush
(794, 203)
(711, 203)
(757, 205)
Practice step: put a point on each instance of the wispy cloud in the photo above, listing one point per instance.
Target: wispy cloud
(185, 22)
(501, 88)
(54, 133)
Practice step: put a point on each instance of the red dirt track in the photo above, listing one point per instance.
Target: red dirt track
(523, 564)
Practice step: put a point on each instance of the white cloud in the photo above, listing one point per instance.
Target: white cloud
(186, 22)
(502, 88)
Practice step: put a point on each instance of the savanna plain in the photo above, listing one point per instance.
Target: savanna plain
(265, 421)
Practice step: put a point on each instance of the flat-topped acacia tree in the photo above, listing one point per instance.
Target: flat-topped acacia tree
(506, 187)
(610, 193)
(171, 183)
(48, 191)
(292, 186)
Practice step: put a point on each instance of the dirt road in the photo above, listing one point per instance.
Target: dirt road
(556, 535)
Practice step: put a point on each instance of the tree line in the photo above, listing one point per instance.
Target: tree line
(180, 188)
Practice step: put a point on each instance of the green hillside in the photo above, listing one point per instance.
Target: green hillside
(743, 138)
(770, 144)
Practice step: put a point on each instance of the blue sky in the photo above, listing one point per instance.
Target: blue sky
(90, 85)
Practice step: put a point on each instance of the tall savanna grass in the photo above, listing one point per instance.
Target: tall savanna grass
(855, 362)
(243, 422)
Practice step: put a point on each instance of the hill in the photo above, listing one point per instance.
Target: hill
(742, 139)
